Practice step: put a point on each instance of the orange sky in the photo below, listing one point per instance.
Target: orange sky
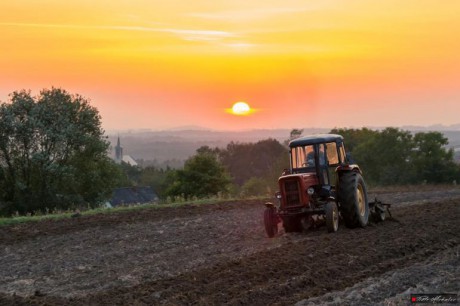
(162, 64)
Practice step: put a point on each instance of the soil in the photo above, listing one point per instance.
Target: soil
(219, 254)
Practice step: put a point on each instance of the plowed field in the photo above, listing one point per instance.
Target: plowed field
(219, 254)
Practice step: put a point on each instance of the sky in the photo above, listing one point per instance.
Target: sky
(151, 64)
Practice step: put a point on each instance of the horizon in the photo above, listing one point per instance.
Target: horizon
(434, 127)
(178, 145)
(155, 65)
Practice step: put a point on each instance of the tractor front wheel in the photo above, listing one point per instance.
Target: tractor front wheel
(270, 221)
(352, 196)
(332, 217)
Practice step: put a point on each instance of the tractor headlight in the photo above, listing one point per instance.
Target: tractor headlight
(278, 195)
(310, 191)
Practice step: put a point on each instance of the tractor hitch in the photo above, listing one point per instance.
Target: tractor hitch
(378, 209)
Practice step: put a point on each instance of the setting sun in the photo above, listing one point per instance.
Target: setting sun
(161, 64)
(241, 108)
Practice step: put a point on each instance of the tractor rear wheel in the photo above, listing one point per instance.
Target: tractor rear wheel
(292, 224)
(270, 221)
(332, 217)
(352, 196)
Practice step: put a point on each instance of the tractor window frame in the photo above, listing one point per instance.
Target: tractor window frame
(342, 154)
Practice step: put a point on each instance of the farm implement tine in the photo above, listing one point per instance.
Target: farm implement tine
(379, 206)
(389, 212)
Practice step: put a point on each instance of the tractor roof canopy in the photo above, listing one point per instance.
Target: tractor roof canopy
(315, 139)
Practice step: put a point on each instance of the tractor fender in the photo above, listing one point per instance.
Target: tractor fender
(348, 168)
(269, 205)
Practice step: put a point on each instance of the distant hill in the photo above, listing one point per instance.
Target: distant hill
(178, 145)
(435, 127)
(175, 145)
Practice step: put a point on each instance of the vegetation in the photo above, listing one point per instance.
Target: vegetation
(263, 160)
(203, 175)
(388, 157)
(56, 215)
(393, 156)
(53, 154)
(250, 169)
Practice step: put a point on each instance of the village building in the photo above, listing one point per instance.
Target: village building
(130, 195)
(120, 157)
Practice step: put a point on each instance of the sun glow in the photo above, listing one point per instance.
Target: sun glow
(160, 64)
(240, 109)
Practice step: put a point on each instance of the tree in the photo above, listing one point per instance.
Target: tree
(394, 156)
(432, 162)
(354, 137)
(385, 157)
(295, 133)
(131, 175)
(264, 159)
(203, 175)
(157, 178)
(53, 153)
(255, 186)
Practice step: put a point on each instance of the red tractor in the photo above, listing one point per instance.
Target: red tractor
(321, 186)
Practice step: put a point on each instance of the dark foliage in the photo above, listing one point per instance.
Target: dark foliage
(53, 153)
(203, 175)
(264, 159)
(393, 156)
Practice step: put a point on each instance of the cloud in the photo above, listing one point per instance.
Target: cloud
(240, 46)
(185, 34)
(200, 35)
(73, 26)
(249, 15)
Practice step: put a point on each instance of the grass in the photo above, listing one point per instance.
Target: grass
(22, 219)
(5, 221)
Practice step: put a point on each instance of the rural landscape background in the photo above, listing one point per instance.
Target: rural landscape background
(166, 146)
(187, 108)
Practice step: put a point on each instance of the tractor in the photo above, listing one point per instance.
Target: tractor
(321, 186)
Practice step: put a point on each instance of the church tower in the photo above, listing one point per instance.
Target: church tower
(118, 152)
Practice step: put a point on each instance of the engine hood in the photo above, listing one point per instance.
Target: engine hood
(293, 188)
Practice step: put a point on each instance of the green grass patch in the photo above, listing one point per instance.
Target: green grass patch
(5, 221)
(22, 219)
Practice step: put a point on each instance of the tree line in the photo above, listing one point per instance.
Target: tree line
(388, 157)
(240, 169)
(393, 156)
(54, 155)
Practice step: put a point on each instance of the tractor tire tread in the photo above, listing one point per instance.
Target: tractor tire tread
(347, 198)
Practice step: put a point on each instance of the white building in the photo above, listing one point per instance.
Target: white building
(119, 157)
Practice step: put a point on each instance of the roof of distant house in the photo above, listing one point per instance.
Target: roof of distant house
(129, 160)
(133, 195)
